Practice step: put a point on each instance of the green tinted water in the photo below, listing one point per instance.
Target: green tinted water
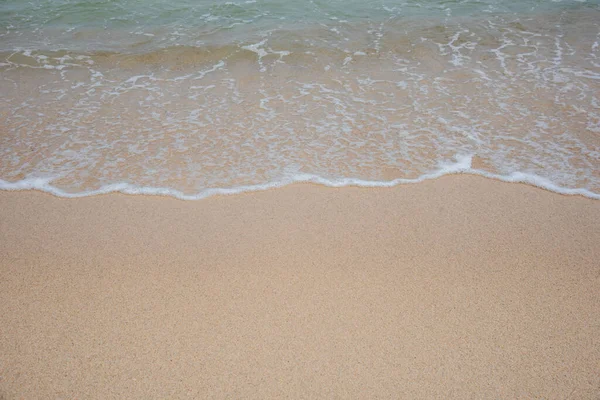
(109, 24)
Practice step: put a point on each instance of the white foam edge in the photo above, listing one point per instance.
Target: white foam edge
(461, 166)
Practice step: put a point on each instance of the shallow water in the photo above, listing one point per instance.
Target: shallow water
(193, 98)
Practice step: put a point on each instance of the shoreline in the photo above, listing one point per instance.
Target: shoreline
(462, 167)
(456, 287)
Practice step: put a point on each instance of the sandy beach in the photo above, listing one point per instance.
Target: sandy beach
(461, 287)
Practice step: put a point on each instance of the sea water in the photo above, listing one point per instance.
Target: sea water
(195, 97)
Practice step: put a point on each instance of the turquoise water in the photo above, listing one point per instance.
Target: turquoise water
(192, 98)
(125, 25)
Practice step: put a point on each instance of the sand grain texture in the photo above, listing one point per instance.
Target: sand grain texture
(461, 287)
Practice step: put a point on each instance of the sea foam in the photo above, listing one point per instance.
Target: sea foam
(461, 166)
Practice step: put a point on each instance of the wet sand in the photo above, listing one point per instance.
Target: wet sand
(462, 287)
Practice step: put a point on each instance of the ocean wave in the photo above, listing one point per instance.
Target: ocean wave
(367, 101)
(461, 166)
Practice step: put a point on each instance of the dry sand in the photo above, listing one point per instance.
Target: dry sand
(461, 287)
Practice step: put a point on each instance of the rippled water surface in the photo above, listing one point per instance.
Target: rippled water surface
(191, 97)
